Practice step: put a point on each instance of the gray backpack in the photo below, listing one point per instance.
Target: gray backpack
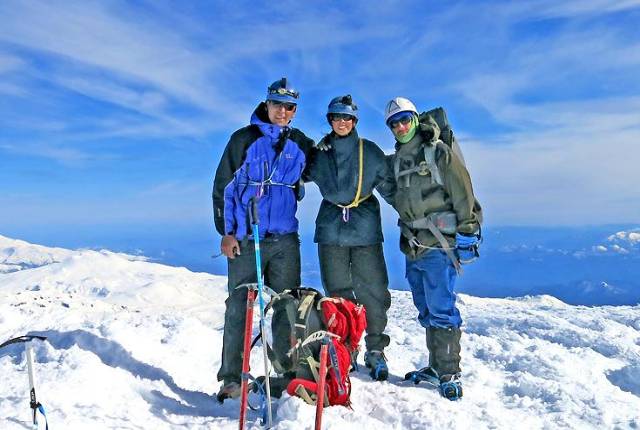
(439, 116)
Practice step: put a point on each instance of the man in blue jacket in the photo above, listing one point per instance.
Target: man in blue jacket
(263, 160)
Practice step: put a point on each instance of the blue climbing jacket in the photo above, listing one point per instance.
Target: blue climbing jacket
(261, 160)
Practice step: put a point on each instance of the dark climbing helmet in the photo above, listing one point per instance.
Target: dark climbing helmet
(282, 91)
(342, 105)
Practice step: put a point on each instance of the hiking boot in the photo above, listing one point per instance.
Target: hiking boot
(450, 386)
(230, 390)
(377, 362)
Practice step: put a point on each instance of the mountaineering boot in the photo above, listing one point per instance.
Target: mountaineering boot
(444, 349)
(450, 386)
(444, 354)
(229, 390)
(430, 348)
(377, 362)
(426, 374)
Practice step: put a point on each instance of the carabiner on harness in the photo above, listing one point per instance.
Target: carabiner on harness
(345, 214)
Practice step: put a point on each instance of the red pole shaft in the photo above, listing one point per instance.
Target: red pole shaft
(248, 329)
(321, 385)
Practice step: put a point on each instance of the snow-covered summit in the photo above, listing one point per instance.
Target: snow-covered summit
(134, 344)
(18, 255)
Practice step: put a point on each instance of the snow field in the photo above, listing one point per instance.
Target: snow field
(133, 344)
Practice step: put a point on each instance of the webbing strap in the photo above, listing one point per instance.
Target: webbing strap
(446, 222)
(333, 358)
(427, 166)
(291, 316)
(303, 307)
(413, 241)
(313, 365)
(445, 245)
(270, 182)
(302, 393)
(430, 159)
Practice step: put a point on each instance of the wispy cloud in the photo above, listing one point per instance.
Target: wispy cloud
(577, 8)
(580, 170)
(145, 64)
(65, 155)
(9, 62)
(539, 91)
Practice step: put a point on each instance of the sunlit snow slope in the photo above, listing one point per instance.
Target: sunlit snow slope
(136, 345)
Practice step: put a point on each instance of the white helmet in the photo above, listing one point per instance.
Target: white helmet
(399, 104)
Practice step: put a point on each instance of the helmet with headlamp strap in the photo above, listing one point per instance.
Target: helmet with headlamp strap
(282, 91)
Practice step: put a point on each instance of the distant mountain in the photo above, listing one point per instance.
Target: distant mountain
(18, 255)
(579, 265)
(588, 265)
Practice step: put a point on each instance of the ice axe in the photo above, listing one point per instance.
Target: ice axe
(254, 289)
(255, 222)
(34, 404)
(322, 381)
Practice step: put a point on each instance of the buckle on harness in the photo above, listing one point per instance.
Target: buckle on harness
(423, 169)
(415, 243)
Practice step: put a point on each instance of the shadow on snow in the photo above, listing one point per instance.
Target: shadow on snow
(190, 403)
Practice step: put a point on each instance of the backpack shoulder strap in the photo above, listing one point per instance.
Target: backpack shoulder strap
(430, 160)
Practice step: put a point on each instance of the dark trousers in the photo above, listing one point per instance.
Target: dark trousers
(359, 273)
(280, 257)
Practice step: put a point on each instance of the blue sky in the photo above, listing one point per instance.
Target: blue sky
(116, 113)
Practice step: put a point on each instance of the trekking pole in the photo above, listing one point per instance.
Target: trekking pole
(322, 379)
(256, 240)
(33, 402)
(248, 328)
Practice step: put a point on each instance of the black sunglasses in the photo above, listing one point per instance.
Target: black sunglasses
(287, 106)
(403, 119)
(338, 116)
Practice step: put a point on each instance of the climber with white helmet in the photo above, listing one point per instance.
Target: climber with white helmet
(440, 230)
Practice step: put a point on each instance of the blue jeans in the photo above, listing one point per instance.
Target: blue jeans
(432, 279)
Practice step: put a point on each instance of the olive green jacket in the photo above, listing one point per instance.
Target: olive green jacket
(418, 196)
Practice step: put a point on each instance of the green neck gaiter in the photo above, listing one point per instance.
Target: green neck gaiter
(412, 131)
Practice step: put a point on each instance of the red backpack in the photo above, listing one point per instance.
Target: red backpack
(344, 323)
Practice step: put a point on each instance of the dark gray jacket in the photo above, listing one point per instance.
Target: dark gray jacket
(335, 171)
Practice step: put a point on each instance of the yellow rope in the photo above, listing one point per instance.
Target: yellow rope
(357, 200)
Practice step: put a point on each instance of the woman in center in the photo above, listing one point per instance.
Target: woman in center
(347, 168)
